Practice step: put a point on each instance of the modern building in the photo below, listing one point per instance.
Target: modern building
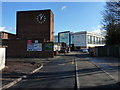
(80, 40)
(64, 37)
(87, 39)
(56, 38)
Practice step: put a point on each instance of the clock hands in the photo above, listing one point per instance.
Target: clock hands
(41, 18)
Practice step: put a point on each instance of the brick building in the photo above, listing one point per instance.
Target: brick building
(6, 35)
(35, 35)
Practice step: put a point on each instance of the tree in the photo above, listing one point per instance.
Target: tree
(111, 22)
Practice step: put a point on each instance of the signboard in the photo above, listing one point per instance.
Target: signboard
(34, 46)
(48, 47)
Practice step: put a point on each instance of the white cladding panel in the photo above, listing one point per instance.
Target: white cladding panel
(79, 40)
(2, 58)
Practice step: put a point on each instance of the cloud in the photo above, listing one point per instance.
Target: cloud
(99, 30)
(8, 29)
(3, 29)
(63, 7)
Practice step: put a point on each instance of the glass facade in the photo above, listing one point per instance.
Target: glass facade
(56, 39)
(71, 38)
(64, 37)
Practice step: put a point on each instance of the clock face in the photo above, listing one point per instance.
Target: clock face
(41, 18)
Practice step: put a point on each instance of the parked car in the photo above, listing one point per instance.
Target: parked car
(62, 51)
(84, 50)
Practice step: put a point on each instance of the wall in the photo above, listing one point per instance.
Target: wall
(2, 58)
(18, 48)
(111, 51)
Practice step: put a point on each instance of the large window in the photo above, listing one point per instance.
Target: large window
(96, 40)
(93, 39)
(65, 37)
(72, 39)
(89, 39)
(56, 39)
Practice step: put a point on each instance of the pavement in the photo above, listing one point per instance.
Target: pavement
(72, 71)
(110, 65)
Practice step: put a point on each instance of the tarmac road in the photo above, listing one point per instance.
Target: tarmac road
(58, 73)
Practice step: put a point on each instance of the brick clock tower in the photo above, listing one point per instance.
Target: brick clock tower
(37, 24)
(35, 35)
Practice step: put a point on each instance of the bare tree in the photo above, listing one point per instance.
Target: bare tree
(111, 22)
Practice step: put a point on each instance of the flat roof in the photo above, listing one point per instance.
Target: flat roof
(6, 32)
(33, 11)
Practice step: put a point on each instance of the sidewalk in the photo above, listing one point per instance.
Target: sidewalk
(16, 69)
(110, 65)
(91, 77)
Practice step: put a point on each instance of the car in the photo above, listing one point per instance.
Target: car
(84, 50)
(62, 51)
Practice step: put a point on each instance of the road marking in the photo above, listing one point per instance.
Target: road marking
(19, 79)
(77, 76)
(71, 62)
(37, 69)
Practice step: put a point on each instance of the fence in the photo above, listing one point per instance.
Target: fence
(2, 58)
(109, 51)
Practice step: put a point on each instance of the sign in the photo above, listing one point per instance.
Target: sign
(48, 47)
(34, 46)
(37, 46)
(29, 45)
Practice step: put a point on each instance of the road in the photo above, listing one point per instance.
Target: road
(60, 73)
(57, 73)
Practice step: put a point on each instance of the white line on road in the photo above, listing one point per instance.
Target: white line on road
(19, 79)
(77, 76)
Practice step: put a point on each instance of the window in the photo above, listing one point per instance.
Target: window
(96, 40)
(89, 40)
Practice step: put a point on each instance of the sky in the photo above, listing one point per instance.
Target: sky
(68, 16)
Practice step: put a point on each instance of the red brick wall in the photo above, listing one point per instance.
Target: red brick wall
(18, 48)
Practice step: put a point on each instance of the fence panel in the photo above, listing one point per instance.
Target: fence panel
(102, 51)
